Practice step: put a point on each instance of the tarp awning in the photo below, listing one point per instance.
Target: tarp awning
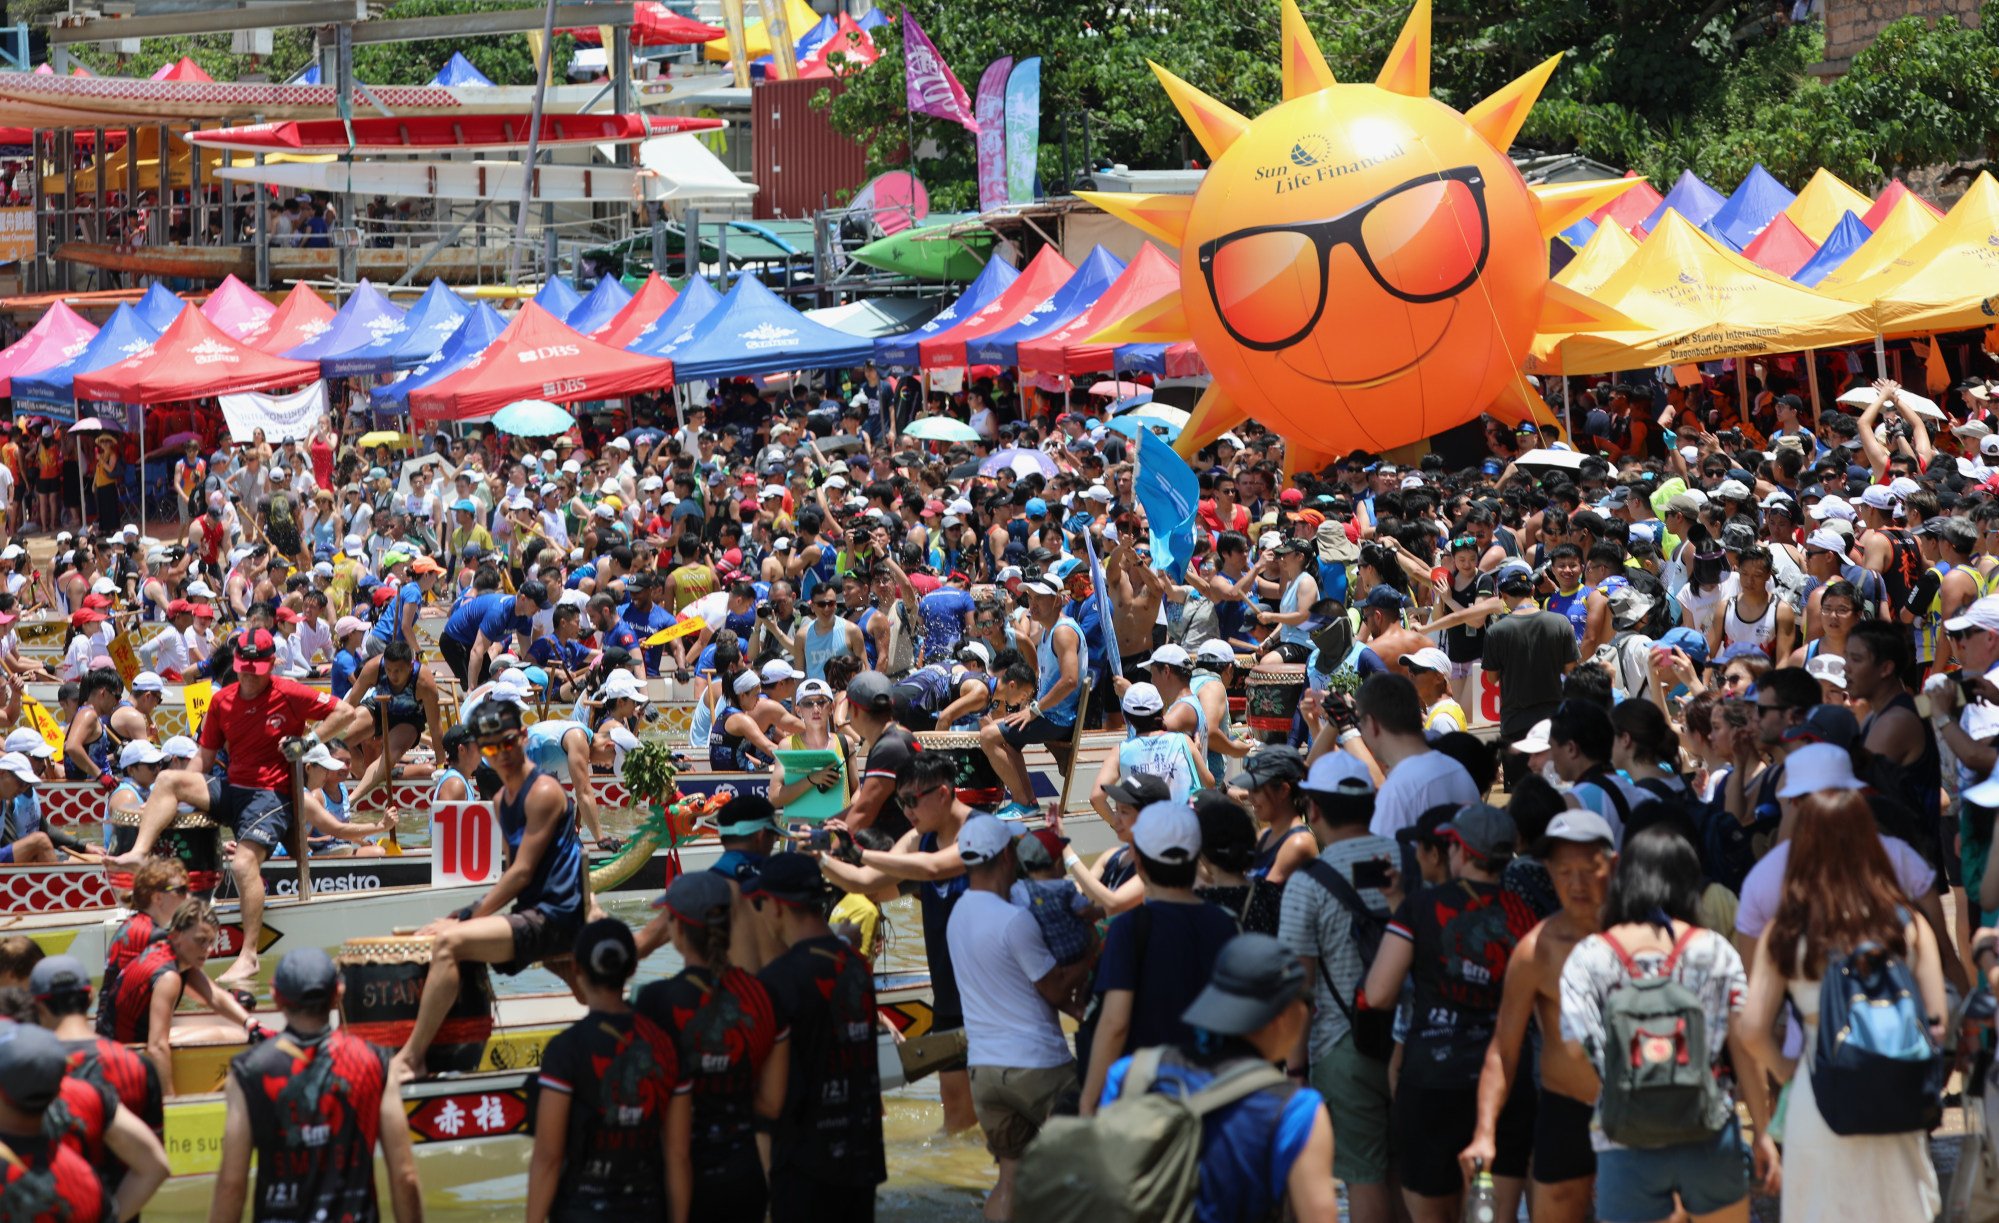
(302, 315)
(1148, 277)
(458, 72)
(1044, 274)
(901, 352)
(1602, 257)
(52, 392)
(413, 340)
(1824, 200)
(365, 317)
(1782, 247)
(160, 306)
(1949, 279)
(1905, 225)
(558, 296)
(1701, 302)
(1690, 197)
(752, 332)
(192, 359)
(1631, 208)
(1094, 275)
(652, 298)
(1177, 360)
(1895, 192)
(538, 357)
(599, 307)
(481, 326)
(58, 335)
(238, 309)
(878, 317)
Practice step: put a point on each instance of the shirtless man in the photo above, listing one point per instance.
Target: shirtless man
(1577, 850)
(1136, 589)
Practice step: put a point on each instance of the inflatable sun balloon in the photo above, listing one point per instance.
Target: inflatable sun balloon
(1362, 266)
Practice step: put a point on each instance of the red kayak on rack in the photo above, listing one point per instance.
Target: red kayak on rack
(441, 133)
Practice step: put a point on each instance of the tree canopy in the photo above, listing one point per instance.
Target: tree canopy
(1657, 88)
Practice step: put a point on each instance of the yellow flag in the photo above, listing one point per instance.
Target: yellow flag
(198, 694)
(1936, 374)
(686, 628)
(124, 657)
(45, 725)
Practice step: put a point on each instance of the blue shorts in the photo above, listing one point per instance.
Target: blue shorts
(257, 817)
(1637, 1186)
(6, 854)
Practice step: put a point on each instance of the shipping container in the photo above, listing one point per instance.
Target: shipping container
(801, 163)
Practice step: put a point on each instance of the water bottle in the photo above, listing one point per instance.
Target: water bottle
(1482, 1203)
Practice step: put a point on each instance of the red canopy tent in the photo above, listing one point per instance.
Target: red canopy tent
(57, 336)
(1147, 278)
(538, 357)
(1886, 201)
(651, 301)
(1782, 247)
(183, 70)
(1631, 208)
(303, 315)
(1036, 283)
(238, 309)
(192, 359)
(654, 25)
(854, 45)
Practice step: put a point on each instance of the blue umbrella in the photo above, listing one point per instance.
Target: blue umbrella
(1131, 426)
(1131, 401)
(532, 418)
(1023, 461)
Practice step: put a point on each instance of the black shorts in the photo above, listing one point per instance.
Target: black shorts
(401, 713)
(910, 709)
(45, 485)
(729, 1188)
(258, 817)
(1291, 651)
(1135, 668)
(1040, 730)
(1562, 1150)
(1430, 1125)
(538, 937)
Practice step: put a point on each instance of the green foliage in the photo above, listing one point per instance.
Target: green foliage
(1714, 87)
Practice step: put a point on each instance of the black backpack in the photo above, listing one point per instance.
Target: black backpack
(1374, 1028)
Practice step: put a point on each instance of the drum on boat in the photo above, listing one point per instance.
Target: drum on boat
(384, 978)
(190, 837)
(1273, 692)
(978, 784)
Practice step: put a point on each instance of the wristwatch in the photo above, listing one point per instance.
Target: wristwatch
(1034, 708)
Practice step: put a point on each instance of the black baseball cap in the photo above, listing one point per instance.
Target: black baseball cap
(697, 898)
(304, 975)
(606, 950)
(32, 1065)
(1254, 979)
(789, 878)
(1139, 790)
(58, 974)
(870, 690)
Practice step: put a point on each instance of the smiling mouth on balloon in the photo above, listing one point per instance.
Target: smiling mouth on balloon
(1374, 380)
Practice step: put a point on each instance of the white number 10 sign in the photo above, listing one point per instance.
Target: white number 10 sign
(465, 845)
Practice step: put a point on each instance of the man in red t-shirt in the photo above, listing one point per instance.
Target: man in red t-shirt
(258, 717)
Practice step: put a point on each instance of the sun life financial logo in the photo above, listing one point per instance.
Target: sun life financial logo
(547, 352)
(209, 352)
(769, 335)
(1309, 151)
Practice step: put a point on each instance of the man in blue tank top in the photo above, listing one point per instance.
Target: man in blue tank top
(1051, 716)
(543, 879)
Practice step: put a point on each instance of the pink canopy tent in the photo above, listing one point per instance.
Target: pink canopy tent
(57, 336)
(1631, 208)
(303, 315)
(238, 309)
(192, 359)
(184, 69)
(1886, 201)
(651, 301)
(1782, 247)
(538, 357)
(1150, 276)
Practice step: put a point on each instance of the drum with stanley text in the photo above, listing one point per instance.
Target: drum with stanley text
(384, 978)
(1273, 692)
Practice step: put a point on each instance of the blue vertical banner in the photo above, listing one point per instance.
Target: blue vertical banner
(1023, 129)
(991, 104)
(1106, 613)
(1168, 490)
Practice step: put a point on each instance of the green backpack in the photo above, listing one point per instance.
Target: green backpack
(1139, 1159)
(1659, 1085)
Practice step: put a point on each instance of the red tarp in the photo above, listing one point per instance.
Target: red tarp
(1037, 282)
(651, 301)
(57, 336)
(303, 315)
(1147, 278)
(1886, 201)
(538, 357)
(185, 70)
(238, 309)
(1782, 247)
(192, 359)
(654, 25)
(1183, 360)
(856, 48)
(1632, 208)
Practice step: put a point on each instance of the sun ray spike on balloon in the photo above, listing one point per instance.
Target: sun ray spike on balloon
(1361, 266)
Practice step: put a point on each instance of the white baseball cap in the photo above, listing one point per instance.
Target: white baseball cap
(1878, 497)
(1142, 699)
(1216, 650)
(1338, 772)
(180, 747)
(1818, 766)
(147, 681)
(1982, 614)
(1827, 669)
(104, 586)
(139, 751)
(621, 685)
(200, 589)
(777, 671)
(1170, 655)
(20, 766)
(1537, 738)
(1167, 832)
(28, 743)
(982, 839)
(1429, 658)
(323, 756)
(1826, 541)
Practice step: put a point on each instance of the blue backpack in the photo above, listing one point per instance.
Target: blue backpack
(1875, 1069)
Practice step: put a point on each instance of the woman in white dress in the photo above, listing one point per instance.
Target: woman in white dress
(1839, 891)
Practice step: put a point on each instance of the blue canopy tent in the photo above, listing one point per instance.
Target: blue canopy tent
(806, 46)
(900, 352)
(1709, 228)
(458, 71)
(753, 332)
(52, 392)
(558, 297)
(1756, 201)
(1691, 198)
(308, 76)
(695, 303)
(412, 341)
(1077, 294)
(366, 317)
(1844, 239)
(159, 306)
(1139, 359)
(481, 325)
(1579, 234)
(870, 19)
(600, 307)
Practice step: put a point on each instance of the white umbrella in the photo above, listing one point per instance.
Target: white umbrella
(1553, 460)
(1160, 412)
(940, 429)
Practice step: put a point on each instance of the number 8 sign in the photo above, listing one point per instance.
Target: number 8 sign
(465, 840)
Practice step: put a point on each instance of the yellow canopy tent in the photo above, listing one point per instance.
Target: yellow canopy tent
(1906, 224)
(1823, 202)
(1948, 280)
(1607, 251)
(1699, 302)
(798, 18)
(179, 165)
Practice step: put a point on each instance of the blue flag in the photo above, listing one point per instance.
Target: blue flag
(1105, 615)
(1170, 493)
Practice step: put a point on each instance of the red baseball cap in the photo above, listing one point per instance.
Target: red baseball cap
(256, 652)
(1292, 496)
(384, 594)
(97, 602)
(205, 610)
(287, 616)
(179, 607)
(88, 615)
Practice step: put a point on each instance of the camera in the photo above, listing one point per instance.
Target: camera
(764, 611)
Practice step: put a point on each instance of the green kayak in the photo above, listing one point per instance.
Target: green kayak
(931, 252)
